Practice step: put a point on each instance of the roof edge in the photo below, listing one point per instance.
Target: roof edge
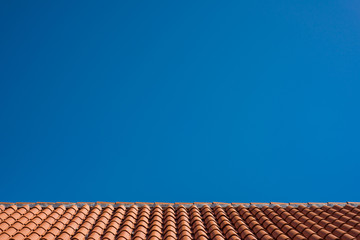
(177, 204)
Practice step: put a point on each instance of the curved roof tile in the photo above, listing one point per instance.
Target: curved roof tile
(179, 221)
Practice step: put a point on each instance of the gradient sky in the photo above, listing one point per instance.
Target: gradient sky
(180, 101)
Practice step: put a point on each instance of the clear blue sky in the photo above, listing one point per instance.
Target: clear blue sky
(234, 101)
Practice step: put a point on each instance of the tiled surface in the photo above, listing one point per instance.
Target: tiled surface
(179, 221)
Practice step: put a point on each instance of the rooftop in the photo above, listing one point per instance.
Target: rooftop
(179, 221)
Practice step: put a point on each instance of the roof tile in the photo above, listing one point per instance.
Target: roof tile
(179, 221)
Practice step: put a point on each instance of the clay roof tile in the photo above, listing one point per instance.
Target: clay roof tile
(179, 221)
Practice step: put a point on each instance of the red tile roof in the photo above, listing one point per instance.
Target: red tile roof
(179, 221)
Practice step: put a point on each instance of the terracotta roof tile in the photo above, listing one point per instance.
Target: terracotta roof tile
(124, 203)
(144, 203)
(179, 221)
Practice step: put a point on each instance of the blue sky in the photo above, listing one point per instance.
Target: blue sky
(180, 101)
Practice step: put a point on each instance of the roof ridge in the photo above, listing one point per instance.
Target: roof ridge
(186, 204)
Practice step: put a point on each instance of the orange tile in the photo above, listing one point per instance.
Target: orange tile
(220, 203)
(185, 221)
(183, 203)
(293, 203)
(163, 203)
